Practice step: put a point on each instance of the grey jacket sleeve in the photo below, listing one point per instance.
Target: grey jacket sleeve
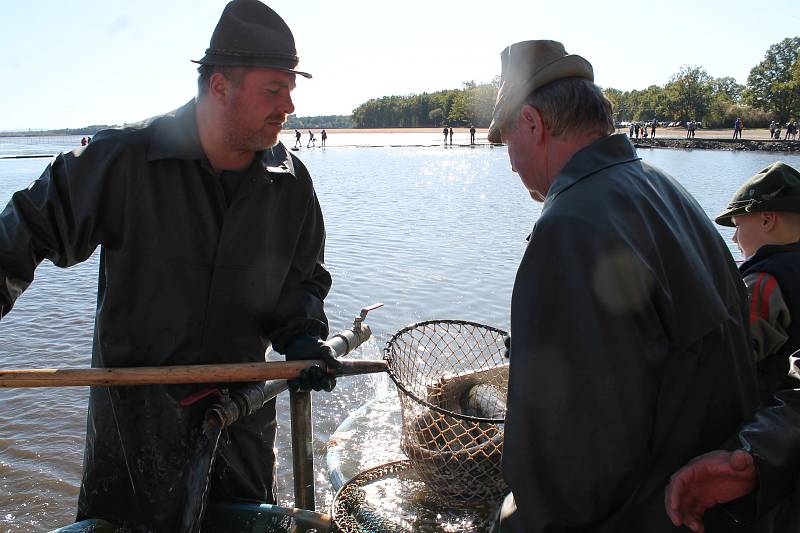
(769, 314)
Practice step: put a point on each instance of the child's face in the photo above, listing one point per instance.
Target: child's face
(749, 235)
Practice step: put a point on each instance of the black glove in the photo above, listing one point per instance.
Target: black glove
(304, 347)
(507, 342)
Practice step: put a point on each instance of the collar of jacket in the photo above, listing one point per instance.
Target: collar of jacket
(175, 136)
(603, 153)
(766, 251)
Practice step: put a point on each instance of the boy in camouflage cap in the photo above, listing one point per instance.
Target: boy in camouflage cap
(766, 214)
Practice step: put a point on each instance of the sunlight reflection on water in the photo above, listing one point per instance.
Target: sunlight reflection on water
(431, 232)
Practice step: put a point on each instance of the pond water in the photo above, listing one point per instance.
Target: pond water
(432, 232)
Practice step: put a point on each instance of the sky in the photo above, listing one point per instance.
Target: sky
(69, 64)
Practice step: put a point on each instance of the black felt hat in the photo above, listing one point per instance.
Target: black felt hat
(776, 188)
(250, 34)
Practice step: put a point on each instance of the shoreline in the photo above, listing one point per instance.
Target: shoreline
(746, 145)
(666, 138)
(716, 139)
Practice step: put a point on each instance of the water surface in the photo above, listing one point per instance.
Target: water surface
(432, 232)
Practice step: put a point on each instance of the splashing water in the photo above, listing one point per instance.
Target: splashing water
(197, 481)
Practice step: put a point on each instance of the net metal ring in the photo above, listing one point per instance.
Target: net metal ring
(400, 385)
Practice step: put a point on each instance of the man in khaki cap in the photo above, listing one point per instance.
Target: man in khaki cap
(629, 345)
(212, 250)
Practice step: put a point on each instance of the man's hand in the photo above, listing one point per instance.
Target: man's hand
(312, 378)
(305, 347)
(708, 480)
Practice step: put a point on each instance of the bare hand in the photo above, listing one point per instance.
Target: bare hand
(708, 480)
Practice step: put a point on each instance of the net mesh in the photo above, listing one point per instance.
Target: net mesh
(452, 378)
(391, 498)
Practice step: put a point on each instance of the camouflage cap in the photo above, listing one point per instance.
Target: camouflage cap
(526, 66)
(776, 188)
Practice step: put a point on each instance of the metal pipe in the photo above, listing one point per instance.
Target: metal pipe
(300, 406)
(302, 449)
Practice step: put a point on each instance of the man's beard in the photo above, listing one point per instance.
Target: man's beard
(248, 139)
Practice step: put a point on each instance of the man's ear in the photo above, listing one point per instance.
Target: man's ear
(532, 120)
(218, 87)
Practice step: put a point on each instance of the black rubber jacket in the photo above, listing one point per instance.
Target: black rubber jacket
(186, 277)
(630, 348)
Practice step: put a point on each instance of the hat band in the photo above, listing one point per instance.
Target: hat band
(783, 203)
(250, 53)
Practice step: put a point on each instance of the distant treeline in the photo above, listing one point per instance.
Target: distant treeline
(88, 130)
(326, 121)
(471, 105)
(772, 92)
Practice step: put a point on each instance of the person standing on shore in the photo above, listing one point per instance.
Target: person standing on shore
(628, 316)
(653, 126)
(297, 139)
(445, 131)
(324, 136)
(737, 128)
(185, 278)
(472, 135)
(451, 136)
(311, 139)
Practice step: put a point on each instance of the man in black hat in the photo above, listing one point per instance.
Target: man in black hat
(629, 347)
(212, 245)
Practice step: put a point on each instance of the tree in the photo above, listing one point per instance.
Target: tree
(688, 94)
(458, 115)
(617, 99)
(766, 84)
(729, 88)
(726, 95)
(791, 89)
(481, 101)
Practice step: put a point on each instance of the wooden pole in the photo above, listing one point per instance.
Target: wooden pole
(166, 375)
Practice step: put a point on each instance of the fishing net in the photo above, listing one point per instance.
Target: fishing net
(391, 498)
(452, 378)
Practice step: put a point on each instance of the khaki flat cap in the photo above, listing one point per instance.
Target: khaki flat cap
(527, 66)
(775, 188)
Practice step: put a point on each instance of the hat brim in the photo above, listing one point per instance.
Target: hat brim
(724, 218)
(248, 62)
(789, 204)
(569, 66)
